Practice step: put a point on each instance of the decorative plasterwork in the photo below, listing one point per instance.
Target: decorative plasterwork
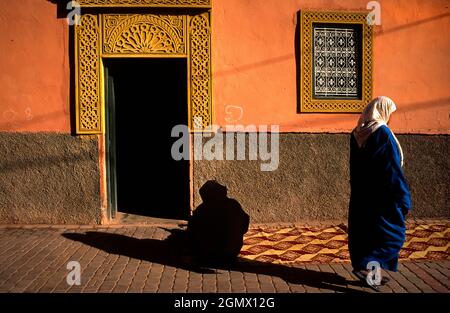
(141, 35)
(144, 34)
(89, 113)
(307, 102)
(200, 65)
(146, 3)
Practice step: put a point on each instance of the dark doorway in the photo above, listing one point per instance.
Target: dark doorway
(146, 98)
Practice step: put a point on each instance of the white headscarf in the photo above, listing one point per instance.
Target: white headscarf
(375, 115)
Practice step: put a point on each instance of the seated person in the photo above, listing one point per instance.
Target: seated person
(217, 226)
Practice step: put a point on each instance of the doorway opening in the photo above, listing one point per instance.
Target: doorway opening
(145, 99)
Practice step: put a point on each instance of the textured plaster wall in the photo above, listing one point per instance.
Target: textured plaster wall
(312, 181)
(34, 67)
(254, 63)
(52, 177)
(427, 167)
(49, 178)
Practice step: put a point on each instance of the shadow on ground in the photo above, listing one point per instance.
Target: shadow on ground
(169, 252)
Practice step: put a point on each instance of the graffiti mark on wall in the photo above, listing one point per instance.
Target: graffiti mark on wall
(234, 113)
(12, 118)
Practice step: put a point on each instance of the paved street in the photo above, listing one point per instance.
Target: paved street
(143, 259)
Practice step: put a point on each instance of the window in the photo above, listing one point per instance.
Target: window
(336, 62)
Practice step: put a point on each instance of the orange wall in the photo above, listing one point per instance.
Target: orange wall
(34, 68)
(254, 63)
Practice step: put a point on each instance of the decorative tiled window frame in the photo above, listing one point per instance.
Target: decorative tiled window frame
(113, 35)
(307, 102)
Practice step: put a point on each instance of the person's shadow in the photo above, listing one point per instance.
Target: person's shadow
(215, 231)
(169, 252)
(217, 225)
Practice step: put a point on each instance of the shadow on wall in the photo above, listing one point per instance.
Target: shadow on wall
(330, 119)
(61, 7)
(167, 252)
(412, 24)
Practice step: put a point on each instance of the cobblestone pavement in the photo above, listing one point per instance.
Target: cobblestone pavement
(145, 259)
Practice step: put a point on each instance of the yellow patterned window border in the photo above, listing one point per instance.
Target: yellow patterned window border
(311, 104)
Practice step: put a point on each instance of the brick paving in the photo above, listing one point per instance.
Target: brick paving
(138, 259)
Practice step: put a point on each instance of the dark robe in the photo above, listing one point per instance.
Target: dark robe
(379, 201)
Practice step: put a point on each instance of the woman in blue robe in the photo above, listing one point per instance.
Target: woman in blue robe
(380, 197)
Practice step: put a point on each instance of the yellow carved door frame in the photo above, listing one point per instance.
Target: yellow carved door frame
(155, 34)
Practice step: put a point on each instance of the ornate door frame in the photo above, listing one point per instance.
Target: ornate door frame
(105, 33)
